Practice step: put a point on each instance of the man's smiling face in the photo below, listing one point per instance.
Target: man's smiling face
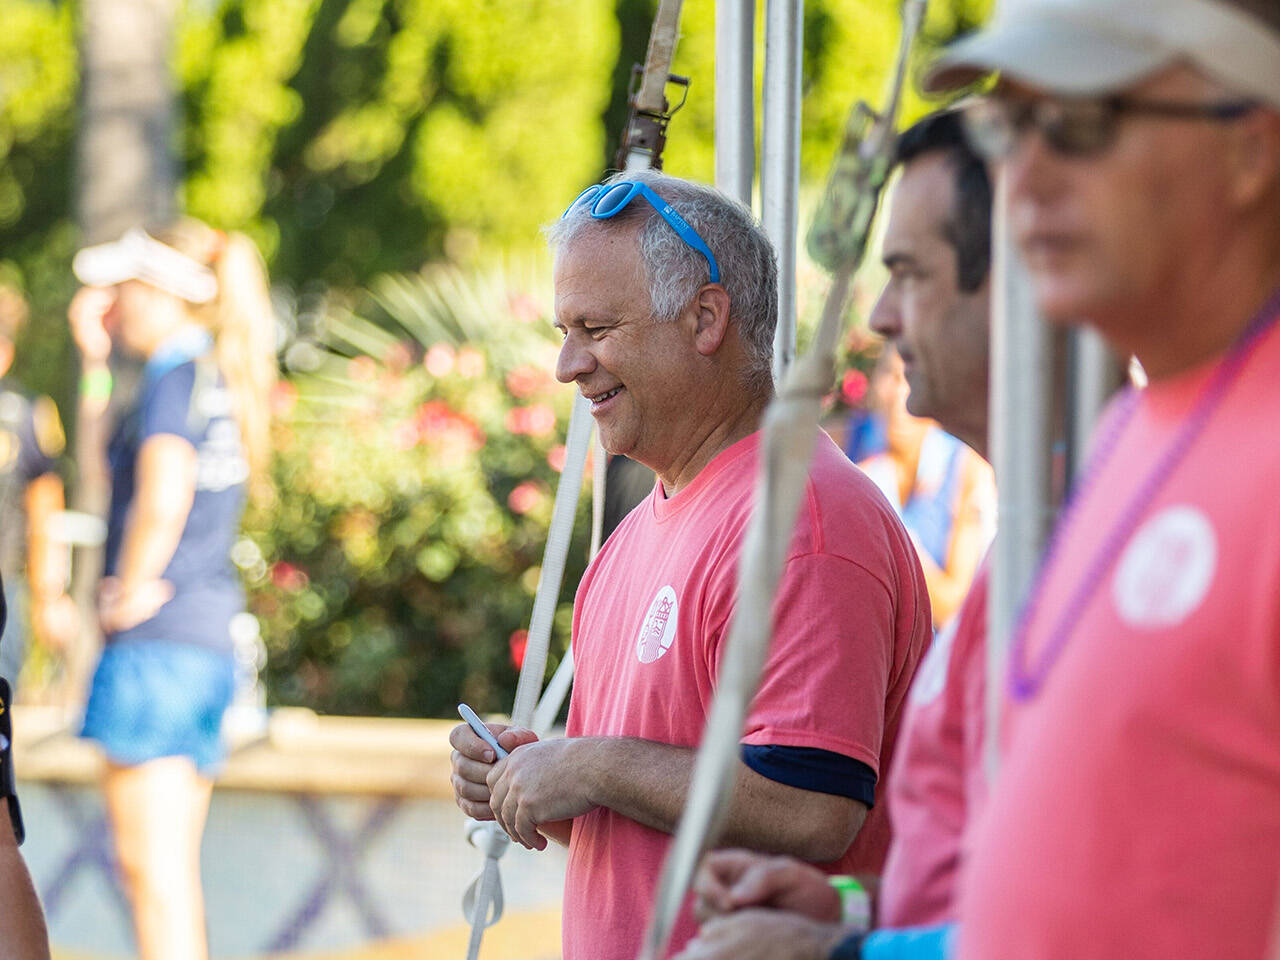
(639, 373)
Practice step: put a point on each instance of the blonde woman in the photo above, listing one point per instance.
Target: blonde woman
(192, 302)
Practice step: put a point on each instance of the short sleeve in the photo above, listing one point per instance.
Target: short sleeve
(826, 680)
(41, 441)
(167, 406)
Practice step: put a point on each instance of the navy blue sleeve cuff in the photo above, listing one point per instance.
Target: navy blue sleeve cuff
(809, 768)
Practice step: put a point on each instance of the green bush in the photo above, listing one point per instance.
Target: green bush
(394, 566)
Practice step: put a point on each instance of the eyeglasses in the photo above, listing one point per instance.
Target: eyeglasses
(608, 200)
(1076, 128)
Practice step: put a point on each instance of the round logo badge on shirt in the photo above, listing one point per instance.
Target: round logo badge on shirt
(1167, 568)
(659, 626)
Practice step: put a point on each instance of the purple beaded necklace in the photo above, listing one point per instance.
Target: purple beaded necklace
(1026, 679)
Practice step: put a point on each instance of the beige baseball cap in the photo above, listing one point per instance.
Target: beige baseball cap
(1095, 47)
(139, 256)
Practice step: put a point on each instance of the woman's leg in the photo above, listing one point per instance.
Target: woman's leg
(157, 811)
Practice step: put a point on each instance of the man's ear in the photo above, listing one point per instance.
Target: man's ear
(1255, 157)
(709, 314)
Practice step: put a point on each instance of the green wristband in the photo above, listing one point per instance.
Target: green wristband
(96, 384)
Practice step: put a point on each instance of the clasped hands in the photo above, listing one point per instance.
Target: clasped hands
(540, 783)
(755, 906)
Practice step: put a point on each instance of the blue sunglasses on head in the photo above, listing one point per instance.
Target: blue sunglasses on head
(608, 200)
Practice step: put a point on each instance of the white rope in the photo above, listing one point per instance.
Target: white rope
(561, 681)
(553, 561)
(788, 433)
(483, 900)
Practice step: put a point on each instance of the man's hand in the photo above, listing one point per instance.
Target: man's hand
(540, 783)
(763, 935)
(473, 759)
(731, 880)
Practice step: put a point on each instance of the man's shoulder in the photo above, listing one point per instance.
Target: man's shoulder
(846, 513)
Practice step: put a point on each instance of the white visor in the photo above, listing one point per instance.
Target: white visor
(139, 256)
(1097, 47)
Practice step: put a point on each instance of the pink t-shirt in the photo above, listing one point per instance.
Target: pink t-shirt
(938, 783)
(1137, 814)
(651, 614)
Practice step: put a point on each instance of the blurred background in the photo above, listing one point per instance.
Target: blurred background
(393, 160)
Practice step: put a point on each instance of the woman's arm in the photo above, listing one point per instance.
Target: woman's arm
(165, 487)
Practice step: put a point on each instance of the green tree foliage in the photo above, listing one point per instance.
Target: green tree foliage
(38, 83)
(355, 137)
(849, 46)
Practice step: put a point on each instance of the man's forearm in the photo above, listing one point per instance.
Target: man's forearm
(648, 782)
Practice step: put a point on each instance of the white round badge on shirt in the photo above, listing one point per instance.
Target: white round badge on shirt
(659, 626)
(1167, 568)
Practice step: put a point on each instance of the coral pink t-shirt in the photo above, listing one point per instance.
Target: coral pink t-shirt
(938, 784)
(652, 612)
(1137, 814)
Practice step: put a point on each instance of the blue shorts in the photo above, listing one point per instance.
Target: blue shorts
(153, 699)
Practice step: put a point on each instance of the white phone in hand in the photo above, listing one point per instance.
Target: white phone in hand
(481, 730)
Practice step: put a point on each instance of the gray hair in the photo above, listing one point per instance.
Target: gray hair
(675, 271)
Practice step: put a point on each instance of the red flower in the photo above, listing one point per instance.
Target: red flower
(523, 307)
(524, 497)
(556, 457)
(284, 397)
(518, 642)
(398, 357)
(524, 381)
(439, 360)
(535, 420)
(853, 387)
(437, 422)
(286, 576)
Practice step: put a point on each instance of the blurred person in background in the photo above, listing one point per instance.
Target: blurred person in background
(33, 566)
(193, 303)
(943, 490)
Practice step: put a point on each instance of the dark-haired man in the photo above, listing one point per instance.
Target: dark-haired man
(935, 310)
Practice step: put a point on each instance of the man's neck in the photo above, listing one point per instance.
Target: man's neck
(711, 441)
(1202, 325)
(973, 435)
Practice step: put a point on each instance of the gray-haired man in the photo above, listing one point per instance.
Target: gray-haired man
(666, 296)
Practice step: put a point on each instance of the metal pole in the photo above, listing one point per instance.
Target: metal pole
(1096, 374)
(1022, 378)
(780, 170)
(735, 98)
